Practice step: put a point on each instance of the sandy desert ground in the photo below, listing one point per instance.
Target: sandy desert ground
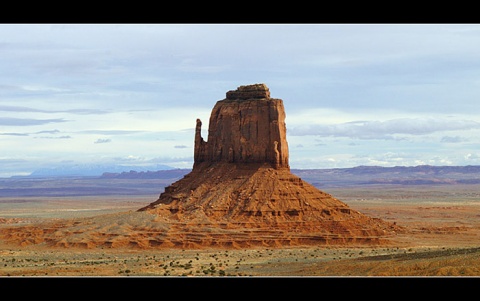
(443, 240)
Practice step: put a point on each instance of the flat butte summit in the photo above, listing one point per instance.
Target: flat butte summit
(240, 193)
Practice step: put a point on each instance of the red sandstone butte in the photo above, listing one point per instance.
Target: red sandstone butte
(239, 194)
(241, 181)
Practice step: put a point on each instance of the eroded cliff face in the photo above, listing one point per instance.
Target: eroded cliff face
(246, 127)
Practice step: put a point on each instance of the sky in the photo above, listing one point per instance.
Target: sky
(130, 94)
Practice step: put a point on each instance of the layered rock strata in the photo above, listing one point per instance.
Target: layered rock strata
(246, 127)
(241, 180)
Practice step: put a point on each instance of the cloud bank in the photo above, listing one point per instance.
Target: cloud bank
(384, 129)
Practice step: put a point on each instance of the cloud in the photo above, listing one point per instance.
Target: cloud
(48, 132)
(449, 139)
(471, 156)
(82, 111)
(20, 109)
(112, 132)
(98, 141)
(384, 129)
(8, 121)
(180, 146)
(52, 132)
(14, 134)
(59, 137)
(178, 162)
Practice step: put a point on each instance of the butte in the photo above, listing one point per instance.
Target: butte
(241, 192)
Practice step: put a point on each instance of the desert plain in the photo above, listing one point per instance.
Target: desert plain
(441, 238)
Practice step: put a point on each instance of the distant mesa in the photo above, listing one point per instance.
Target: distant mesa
(92, 170)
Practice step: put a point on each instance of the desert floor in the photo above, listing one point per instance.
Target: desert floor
(443, 240)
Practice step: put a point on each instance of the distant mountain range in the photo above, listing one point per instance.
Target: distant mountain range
(128, 181)
(92, 170)
(360, 175)
(397, 175)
